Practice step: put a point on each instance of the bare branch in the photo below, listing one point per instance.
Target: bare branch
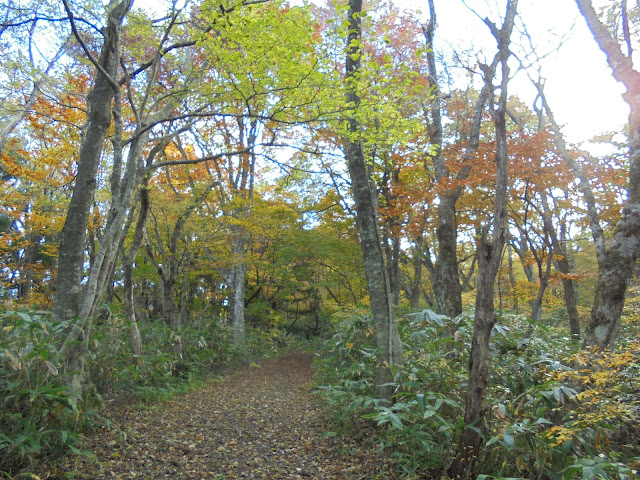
(625, 28)
(196, 160)
(87, 52)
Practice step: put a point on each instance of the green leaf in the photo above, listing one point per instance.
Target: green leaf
(395, 421)
(492, 441)
(541, 421)
(509, 440)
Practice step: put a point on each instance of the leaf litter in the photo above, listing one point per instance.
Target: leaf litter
(262, 422)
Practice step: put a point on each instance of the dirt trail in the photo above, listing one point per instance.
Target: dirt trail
(263, 422)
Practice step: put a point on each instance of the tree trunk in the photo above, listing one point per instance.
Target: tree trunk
(570, 293)
(236, 284)
(128, 261)
(71, 254)
(129, 309)
(490, 259)
(613, 279)
(392, 249)
(512, 278)
(414, 293)
(616, 269)
(25, 264)
(380, 296)
(447, 285)
(543, 274)
(74, 231)
(171, 314)
(570, 296)
(186, 295)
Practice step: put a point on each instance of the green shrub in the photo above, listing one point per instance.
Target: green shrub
(38, 418)
(420, 427)
(559, 414)
(554, 413)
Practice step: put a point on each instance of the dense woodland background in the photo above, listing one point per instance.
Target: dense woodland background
(212, 182)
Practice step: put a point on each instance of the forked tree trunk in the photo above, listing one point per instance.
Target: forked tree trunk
(74, 231)
(489, 263)
(71, 254)
(380, 296)
(447, 287)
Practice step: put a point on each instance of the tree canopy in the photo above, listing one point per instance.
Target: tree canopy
(214, 175)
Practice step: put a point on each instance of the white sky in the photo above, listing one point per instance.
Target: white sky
(580, 89)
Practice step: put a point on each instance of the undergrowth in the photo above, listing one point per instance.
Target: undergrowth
(41, 422)
(555, 413)
(37, 416)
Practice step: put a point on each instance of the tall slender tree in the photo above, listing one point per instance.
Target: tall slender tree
(492, 242)
(364, 195)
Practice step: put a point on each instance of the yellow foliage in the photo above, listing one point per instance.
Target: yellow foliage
(604, 378)
(469, 299)
(559, 435)
(631, 313)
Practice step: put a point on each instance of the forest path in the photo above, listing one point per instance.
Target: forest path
(262, 422)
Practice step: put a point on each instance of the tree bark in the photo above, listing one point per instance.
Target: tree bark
(236, 284)
(489, 263)
(380, 296)
(128, 261)
(447, 287)
(71, 253)
(74, 231)
(616, 268)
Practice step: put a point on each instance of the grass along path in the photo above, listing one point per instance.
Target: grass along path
(263, 422)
